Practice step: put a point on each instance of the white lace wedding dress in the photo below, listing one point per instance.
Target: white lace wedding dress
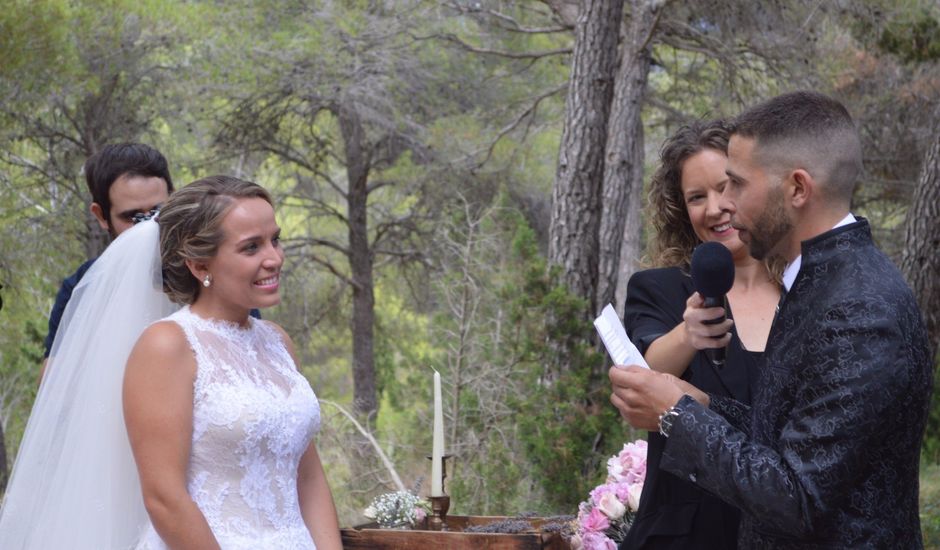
(253, 417)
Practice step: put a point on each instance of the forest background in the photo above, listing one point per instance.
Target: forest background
(461, 187)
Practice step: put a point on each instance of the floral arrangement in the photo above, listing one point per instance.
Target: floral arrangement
(604, 518)
(397, 510)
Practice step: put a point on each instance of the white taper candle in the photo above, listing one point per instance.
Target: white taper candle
(437, 452)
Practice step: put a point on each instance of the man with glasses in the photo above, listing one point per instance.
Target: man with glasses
(128, 183)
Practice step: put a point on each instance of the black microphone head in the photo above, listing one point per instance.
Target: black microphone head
(712, 269)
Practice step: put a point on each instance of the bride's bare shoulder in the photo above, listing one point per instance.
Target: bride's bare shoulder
(161, 342)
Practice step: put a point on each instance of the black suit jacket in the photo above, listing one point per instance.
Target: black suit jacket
(827, 456)
(674, 513)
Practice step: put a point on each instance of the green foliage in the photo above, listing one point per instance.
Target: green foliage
(566, 422)
(930, 452)
(507, 481)
(403, 355)
(21, 352)
(31, 34)
(930, 505)
(914, 41)
(908, 29)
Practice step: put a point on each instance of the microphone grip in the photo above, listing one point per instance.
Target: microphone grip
(716, 355)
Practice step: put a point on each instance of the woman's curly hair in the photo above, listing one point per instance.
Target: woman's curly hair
(673, 236)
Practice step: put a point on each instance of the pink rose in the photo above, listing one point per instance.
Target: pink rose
(594, 521)
(621, 490)
(597, 541)
(602, 490)
(630, 464)
(420, 514)
(575, 542)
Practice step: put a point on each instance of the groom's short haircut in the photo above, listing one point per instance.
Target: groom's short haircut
(122, 159)
(807, 130)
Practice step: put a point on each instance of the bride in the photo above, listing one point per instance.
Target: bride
(214, 447)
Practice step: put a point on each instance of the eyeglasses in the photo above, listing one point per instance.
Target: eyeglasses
(144, 216)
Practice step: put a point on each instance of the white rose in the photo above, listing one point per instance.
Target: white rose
(633, 496)
(611, 506)
(615, 468)
(369, 512)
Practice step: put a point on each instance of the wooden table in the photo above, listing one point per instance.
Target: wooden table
(371, 537)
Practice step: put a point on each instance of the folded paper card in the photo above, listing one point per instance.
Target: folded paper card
(618, 345)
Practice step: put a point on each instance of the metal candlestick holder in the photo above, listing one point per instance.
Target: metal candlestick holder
(437, 521)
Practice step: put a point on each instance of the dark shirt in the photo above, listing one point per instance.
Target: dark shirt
(828, 454)
(674, 513)
(61, 300)
(65, 294)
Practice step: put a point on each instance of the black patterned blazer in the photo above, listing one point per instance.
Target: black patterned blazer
(827, 455)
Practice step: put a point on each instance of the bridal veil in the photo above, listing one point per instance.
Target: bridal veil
(74, 483)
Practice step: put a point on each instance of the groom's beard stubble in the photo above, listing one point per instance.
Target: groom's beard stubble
(770, 228)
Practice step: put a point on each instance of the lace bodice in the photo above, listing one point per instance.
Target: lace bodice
(253, 418)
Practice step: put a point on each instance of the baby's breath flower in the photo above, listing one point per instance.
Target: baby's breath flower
(397, 509)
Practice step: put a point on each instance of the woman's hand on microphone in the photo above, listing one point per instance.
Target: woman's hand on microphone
(697, 333)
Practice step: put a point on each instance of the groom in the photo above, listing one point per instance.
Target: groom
(827, 455)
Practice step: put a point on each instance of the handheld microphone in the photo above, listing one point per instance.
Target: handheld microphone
(713, 277)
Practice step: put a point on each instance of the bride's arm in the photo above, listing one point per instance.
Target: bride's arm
(313, 490)
(316, 501)
(158, 411)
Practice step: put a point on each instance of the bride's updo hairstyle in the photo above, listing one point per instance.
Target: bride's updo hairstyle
(191, 229)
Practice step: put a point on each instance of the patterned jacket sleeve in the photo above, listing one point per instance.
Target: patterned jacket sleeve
(837, 403)
(736, 413)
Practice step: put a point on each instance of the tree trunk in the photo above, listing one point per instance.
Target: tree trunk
(4, 470)
(619, 237)
(360, 262)
(96, 240)
(576, 195)
(464, 315)
(920, 260)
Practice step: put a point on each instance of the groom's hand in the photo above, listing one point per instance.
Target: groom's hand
(641, 395)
